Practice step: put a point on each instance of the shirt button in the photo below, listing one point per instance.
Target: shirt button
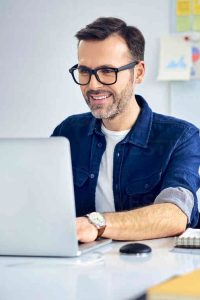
(118, 154)
(146, 186)
(99, 145)
(92, 176)
(116, 186)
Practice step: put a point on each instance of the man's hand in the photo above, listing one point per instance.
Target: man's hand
(149, 222)
(86, 232)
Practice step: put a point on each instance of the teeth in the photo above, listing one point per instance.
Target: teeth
(100, 97)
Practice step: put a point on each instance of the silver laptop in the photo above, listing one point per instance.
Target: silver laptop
(37, 208)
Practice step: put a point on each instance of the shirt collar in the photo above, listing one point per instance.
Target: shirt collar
(95, 126)
(139, 133)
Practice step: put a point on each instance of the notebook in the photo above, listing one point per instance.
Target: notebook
(184, 287)
(37, 207)
(189, 239)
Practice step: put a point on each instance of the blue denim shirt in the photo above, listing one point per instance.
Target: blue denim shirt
(157, 153)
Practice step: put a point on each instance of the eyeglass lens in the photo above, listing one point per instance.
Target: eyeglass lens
(104, 75)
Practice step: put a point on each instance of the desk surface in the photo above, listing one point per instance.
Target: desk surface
(103, 274)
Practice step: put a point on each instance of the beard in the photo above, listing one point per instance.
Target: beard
(117, 102)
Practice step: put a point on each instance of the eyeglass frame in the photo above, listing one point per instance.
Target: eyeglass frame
(94, 72)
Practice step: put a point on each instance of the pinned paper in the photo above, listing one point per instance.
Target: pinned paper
(195, 70)
(183, 7)
(196, 7)
(183, 24)
(196, 23)
(175, 59)
(196, 15)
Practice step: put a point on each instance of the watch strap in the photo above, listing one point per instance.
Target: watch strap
(100, 229)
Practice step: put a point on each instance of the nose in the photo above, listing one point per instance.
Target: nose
(94, 83)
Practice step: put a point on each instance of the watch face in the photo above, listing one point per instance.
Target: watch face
(97, 219)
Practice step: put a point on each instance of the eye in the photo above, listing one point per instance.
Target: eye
(106, 71)
(83, 71)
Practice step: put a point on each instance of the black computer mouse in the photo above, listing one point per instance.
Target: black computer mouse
(135, 249)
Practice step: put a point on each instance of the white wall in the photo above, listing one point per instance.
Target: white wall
(185, 100)
(38, 48)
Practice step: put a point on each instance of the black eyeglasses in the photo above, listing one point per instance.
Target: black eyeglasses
(105, 75)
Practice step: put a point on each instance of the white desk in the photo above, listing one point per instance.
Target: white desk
(100, 275)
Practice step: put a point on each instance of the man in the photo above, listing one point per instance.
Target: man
(137, 169)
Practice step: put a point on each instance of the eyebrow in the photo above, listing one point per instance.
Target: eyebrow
(102, 66)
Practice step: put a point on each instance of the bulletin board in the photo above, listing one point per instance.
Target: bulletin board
(185, 94)
(187, 15)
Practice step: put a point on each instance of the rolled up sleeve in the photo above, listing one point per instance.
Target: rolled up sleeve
(182, 175)
(179, 196)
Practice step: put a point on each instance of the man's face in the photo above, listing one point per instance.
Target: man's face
(105, 101)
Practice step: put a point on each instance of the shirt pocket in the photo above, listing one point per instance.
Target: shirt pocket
(80, 177)
(143, 191)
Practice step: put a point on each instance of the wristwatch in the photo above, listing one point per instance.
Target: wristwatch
(98, 220)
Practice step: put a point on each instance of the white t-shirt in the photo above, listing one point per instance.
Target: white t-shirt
(104, 200)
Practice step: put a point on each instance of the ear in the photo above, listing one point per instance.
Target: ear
(139, 72)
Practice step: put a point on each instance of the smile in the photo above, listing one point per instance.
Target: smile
(100, 97)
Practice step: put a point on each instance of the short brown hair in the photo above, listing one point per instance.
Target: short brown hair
(102, 28)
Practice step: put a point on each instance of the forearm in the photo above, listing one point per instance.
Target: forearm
(154, 221)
